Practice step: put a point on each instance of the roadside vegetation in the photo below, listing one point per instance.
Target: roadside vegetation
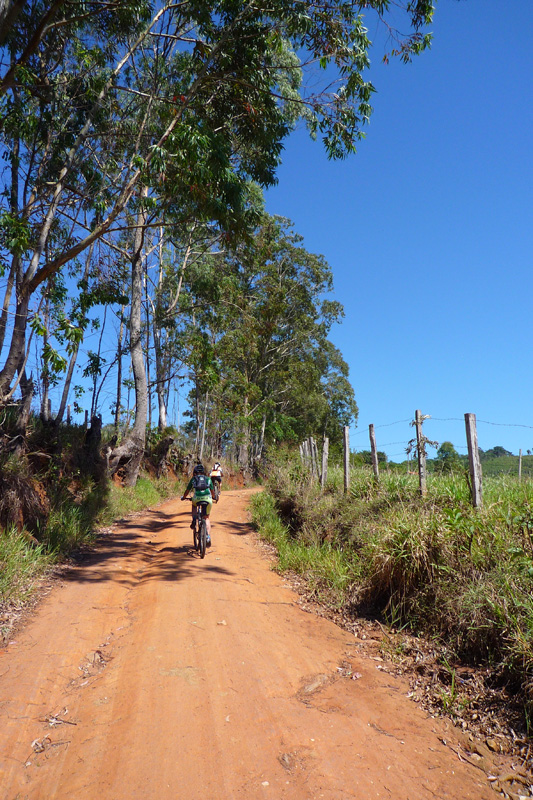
(434, 566)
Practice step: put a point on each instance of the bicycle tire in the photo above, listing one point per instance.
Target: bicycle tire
(203, 538)
(217, 492)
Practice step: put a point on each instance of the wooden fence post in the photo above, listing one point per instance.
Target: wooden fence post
(314, 456)
(519, 466)
(310, 454)
(346, 444)
(421, 449)
(325, 453)
(307, 461)
(375, 462)
(473, 460)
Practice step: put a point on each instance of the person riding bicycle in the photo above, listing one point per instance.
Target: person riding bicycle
(203, 493)
(216, 475)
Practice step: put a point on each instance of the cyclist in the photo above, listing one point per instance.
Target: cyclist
(203, 493)
(216, 475)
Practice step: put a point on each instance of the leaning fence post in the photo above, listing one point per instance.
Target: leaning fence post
(325, 453)
(346, 445)
(421, 449)
(473, 460)
(373, 449)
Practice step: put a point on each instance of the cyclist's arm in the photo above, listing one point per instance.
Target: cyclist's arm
(187, 490)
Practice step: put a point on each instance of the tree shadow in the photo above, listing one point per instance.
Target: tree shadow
(234, 528)
(137, 559)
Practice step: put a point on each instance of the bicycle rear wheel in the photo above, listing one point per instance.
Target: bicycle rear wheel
(203, 538)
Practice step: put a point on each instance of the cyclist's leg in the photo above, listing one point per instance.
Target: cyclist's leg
(208, 508)
(193, 512)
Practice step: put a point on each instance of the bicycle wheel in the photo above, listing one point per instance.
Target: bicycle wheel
(217, 492)
(203, 538)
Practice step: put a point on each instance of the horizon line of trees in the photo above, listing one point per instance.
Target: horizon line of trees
(447, 458)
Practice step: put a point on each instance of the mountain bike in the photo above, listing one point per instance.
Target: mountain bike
(200, 527)
(216, 488)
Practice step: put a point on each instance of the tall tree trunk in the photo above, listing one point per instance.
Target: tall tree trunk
(147, 363)
(17, 346)
(14, 207)
(244, 437)
(203, 425)
(160, 376)
(45, 380)
(161, 379)
(261, 444)
(74, 355)
(197, 399)
(119, 376)
(7, 299)
(132, 450)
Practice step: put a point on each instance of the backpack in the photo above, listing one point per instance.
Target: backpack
(199, 483)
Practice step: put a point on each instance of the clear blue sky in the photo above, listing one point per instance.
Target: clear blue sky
(429, 232)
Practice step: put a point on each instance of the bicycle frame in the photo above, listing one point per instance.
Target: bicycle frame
(199, 517)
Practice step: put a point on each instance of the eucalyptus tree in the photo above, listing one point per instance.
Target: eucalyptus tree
(178, 253)
(122, 107)
(268, 370)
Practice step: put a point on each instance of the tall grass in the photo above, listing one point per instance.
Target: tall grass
(433, 564)
(121, 501)
(21, 565)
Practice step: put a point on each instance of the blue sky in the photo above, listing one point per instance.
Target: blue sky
(429, 232)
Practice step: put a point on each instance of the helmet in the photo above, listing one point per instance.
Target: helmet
(199, 470)
(217, 465)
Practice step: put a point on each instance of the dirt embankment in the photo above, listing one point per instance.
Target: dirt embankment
(150, 673)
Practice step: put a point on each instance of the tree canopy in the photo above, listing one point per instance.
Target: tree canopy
(130, 130)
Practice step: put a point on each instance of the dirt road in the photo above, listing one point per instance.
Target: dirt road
(151, 674)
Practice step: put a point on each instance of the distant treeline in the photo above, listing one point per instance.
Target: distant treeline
(496, 461)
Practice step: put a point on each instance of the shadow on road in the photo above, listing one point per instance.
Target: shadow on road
(128, 556)
(235, 528)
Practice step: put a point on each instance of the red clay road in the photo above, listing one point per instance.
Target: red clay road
(150, 674)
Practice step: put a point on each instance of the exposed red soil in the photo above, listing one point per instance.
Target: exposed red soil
(150, 673)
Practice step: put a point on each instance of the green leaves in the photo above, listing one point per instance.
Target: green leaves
(53, 360)
(15, 233)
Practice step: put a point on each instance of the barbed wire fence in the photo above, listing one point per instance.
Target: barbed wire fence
(415, 447)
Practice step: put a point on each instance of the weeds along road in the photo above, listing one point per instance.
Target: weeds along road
(151, 674)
